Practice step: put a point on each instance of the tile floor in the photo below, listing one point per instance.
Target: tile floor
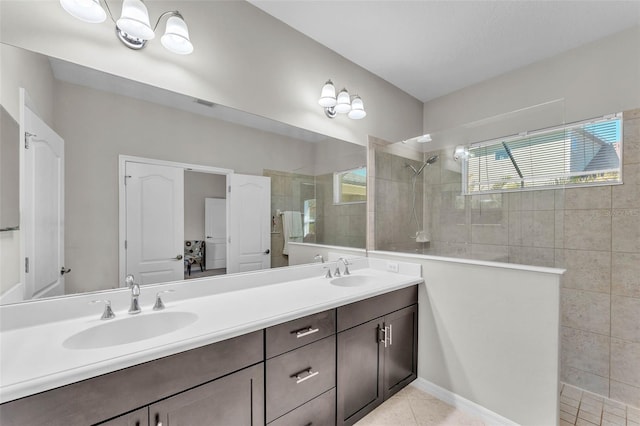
(413, 407)
(582, 408)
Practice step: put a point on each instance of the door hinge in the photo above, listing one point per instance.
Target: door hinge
(27, 135)
(229, 189)
(26, 265)
(125, 178)
(229, 240)
(125, 244)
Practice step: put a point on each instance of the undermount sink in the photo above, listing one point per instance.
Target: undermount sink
(353, 280)
(131, 329)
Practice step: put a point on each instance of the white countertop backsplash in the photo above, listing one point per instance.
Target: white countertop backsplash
(33, 358)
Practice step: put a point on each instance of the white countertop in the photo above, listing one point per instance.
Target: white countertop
(33, 358)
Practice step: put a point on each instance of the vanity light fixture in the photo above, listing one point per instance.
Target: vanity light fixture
(133, 28)
(341, 104)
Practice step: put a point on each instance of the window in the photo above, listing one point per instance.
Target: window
(350, 186)
(309, 217)
(585, 153)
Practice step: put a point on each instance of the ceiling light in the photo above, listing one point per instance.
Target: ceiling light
(341, 104)
(134, 28)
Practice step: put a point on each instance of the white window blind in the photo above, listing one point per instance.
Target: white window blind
(576, 154)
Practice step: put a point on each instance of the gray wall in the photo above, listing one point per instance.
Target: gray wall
(243, 58)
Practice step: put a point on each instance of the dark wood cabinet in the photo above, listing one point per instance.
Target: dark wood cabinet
(401, 353)
(377, 358)
(359, 384)
(298, 372)
(137, 418)
(105, 397)
(301, 371)
(237, 399)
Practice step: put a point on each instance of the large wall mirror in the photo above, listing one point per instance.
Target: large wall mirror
(106, 121)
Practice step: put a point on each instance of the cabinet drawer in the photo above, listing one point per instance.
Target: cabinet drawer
(320, 411)
(293, 334)
(365, 310)
(299, 376)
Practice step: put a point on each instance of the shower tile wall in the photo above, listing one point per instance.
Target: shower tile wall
(592, 232)
(338, 224)
(288, 192)
(394, 224)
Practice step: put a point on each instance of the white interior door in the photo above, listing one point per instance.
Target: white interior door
(215, 230)
(42, 210)
(249, 223)
(154, 222)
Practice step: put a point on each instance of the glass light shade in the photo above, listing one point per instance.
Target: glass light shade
(85, 10)
(134, 20)
(424, 138)
(328, 95)
(357, 109)
(343, 104)
(176, 36)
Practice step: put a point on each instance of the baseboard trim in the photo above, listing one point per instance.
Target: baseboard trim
(462, 404)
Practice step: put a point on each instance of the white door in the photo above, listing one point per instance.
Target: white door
(215, 231)
(249, 223)
(154, 222)
(42, 210)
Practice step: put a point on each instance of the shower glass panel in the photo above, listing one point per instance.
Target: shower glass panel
(420, 206)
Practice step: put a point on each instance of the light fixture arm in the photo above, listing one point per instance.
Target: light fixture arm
(169, 12)
(108, 10)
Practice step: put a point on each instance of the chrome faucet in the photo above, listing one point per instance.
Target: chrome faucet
(134, 308)
(318, 257)
(346, 264)
(108, 312)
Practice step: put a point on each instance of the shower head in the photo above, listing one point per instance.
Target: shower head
(429, 162)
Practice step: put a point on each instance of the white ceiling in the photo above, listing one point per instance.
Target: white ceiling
(432, 48)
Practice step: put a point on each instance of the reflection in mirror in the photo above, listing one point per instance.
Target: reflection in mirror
(103, 119)
(431, 214)
(9, 173)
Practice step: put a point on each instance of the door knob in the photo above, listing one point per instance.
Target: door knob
(179, 257)
(64, 270)
(267, 251)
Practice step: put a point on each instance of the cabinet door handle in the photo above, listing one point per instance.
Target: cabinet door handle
(305, 332)
(390, 334)
(308, 373)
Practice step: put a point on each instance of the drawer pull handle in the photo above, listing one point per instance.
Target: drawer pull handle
(309, 374)
(305, 332)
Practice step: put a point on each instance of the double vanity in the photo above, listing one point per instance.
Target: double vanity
(281, 347)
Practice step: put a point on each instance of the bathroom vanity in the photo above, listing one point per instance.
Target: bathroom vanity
(326, 359)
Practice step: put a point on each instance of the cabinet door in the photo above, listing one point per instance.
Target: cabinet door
(401, 351)
(237, 399)
(359, 384)
(137, 418)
